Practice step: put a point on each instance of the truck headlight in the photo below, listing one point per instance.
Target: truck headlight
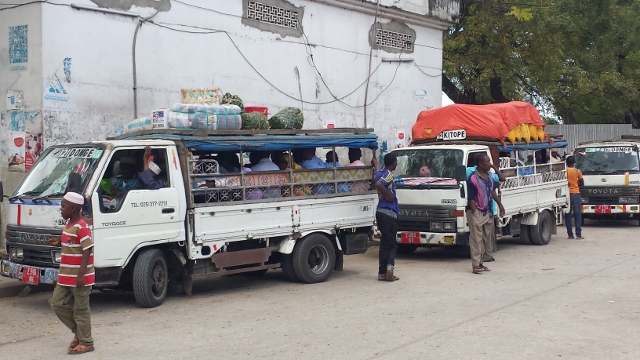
(448, 225)
(436, 225)
(628, 199)
(17, 253)
(56, 256)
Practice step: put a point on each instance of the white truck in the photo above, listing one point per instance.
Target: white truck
(208, 219)
(611, 174)
(432, 208)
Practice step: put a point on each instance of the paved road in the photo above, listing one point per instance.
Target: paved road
(572, 299)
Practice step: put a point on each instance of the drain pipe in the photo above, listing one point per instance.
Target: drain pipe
(133, 55)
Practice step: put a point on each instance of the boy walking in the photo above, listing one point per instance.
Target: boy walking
(76, 275)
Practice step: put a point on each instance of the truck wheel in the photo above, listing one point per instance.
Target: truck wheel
(406, 249)
(313, 259)
(541, 232)
(287, 267)
(150, 278)
(525, 237)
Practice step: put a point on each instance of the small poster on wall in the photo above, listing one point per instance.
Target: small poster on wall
(32, 149)
(401, 139)
(15, 151)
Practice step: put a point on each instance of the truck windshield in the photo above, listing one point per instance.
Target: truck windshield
(428, 163)
(607, 159)
(50, 174)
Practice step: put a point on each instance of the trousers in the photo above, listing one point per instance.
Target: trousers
(482, 233)
(388, 227)
(78, 317)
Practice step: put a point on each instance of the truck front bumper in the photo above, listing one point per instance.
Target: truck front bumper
(14, 270)
(430, 238)
(611, 209)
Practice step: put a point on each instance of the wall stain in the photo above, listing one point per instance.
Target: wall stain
(162, 5)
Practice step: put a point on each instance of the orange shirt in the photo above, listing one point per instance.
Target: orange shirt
(573, 175)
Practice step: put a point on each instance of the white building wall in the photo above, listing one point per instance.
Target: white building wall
(24, 77)
(98, 80)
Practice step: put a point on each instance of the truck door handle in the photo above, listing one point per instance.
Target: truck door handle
(168, 210)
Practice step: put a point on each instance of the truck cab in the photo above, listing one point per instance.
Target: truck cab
(611, 172)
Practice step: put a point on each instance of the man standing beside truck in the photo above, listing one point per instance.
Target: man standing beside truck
(481, 189)
(575, 180)
(387, 218)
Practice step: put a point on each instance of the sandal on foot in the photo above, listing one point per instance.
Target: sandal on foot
(476, 270)
(484, 268)
(81, 349)
(74, 343)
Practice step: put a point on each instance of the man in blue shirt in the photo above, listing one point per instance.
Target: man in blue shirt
(331, 158)
(387, 218)
(150, 173)
(310, 160)
(481, 189)
(492, 246)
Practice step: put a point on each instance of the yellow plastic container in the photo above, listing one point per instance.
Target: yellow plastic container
(524, 132)
(512, 137)
(533, 131)
(541, 133)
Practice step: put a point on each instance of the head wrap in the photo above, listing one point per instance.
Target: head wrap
(74, 198)
(155, 168)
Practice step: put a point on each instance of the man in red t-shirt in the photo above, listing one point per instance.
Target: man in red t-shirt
(76, 276)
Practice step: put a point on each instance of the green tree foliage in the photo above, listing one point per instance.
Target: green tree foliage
(581, 57)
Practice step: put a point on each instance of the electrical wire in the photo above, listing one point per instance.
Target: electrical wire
(204, 31)
(15, 6)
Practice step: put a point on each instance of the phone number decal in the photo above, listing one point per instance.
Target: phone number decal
(149, 204)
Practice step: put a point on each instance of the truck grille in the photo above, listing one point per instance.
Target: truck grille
(33, 241)
(419, 218)
(600, 200)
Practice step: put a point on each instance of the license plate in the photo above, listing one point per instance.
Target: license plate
(603, 209)
(30, 275)
(410, 237)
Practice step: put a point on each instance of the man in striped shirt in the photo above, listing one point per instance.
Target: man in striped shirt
(76, 276)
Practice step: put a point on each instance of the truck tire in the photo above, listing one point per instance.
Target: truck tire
(541, 232)
(287, 267)
(525, 236)
(150, 278)
(406, 249)
(313, 259)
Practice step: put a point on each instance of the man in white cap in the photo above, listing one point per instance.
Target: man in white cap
(76, 275)
(150, 172)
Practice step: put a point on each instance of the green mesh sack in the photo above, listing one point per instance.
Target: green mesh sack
(233, 100)
(254, 121)
(289, 118)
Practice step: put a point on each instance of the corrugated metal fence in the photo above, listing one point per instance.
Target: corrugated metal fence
(576, 134)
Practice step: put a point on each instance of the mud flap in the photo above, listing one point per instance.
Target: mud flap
(339, 260)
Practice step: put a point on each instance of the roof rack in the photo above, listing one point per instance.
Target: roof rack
(207, 133)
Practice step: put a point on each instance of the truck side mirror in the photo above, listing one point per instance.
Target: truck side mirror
(74, 183)
(1, 192)
(461, 173)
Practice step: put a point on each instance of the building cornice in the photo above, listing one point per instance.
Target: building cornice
(370, 8)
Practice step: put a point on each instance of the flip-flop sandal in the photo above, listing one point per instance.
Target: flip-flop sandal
(81, 349)
(484, 268)
(74, 343)
(476, 270)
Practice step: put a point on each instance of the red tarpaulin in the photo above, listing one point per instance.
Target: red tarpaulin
(490, 121)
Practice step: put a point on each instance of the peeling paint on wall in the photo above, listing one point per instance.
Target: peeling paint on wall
(62, 126)
(160, 5)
